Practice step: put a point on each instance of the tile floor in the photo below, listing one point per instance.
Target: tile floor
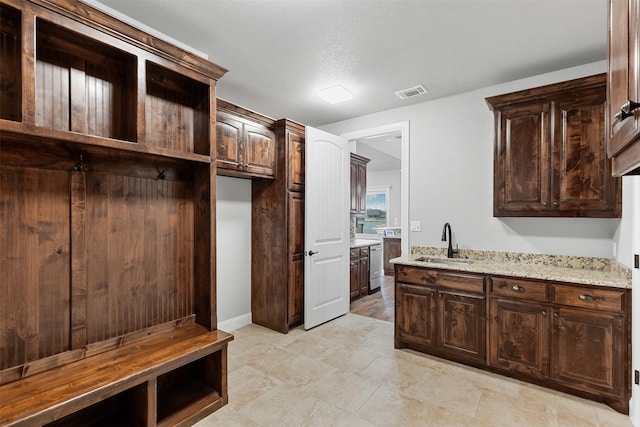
(347, 373)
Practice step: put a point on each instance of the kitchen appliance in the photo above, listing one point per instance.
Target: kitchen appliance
(376, 268)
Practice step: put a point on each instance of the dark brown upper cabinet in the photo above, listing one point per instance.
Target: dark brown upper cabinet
(358, 184)
(549, 152)
(245, 143)
(623, 87)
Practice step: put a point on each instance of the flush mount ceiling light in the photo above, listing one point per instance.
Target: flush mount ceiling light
(335, 94)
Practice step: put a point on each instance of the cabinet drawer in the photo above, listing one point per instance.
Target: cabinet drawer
(420, 276)
(601, 299)
(520, 289)
(462, 282)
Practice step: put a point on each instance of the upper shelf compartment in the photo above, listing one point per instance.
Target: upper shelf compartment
(83, 85)
(10, 70)
(177, 114)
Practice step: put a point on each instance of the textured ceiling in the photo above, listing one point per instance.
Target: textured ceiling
(279, 53)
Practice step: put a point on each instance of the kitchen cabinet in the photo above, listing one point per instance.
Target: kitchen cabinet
(245, 143)
(358, 184)
(359, 272)
(570, 337)
(107, 207)
(441, 313)
(565, 335)
(391, 249)
(589, 351)
(550, 154)
(519, 326)
(277, 227)
(623, 87)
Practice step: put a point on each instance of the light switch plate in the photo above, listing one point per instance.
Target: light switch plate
(415, 226)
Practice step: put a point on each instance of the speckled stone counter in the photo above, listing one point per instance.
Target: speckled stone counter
(361, 243)
(583, 270)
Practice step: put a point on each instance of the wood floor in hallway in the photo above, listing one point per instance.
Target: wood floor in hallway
(379, 305)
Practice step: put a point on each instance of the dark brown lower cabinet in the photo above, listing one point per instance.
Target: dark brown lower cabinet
(587, 351)
(570, 337)
(461, 325)
(359, 272)
(519, 337)
(439, 320)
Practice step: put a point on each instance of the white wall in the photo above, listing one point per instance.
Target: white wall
(451, 178)
(390, 178)
(233, 252)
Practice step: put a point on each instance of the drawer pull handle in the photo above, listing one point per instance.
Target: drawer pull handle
(585, 297)
(516, 288)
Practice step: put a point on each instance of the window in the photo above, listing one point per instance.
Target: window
(377, 208)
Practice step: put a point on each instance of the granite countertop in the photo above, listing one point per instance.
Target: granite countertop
(583, 270)
(361, 243)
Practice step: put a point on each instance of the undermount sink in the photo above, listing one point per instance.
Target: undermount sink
(444, 260)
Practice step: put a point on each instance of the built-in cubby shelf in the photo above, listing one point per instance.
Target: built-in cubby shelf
(83, 85)
(177, 115)
(107, 212)
(10, 58)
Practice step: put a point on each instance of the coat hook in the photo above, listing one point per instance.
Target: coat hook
(161, 174)
(79, 167)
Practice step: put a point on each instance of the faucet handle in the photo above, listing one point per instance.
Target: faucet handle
(456, 251)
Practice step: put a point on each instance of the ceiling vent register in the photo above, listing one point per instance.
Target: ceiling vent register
(411, 92)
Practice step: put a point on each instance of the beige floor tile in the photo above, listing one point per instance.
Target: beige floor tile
(347, 373)
(439, 390)
(247, 384)
(286, 406)
(389, 407)
(343, 389)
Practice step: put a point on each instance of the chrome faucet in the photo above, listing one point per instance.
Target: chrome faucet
(450, 251)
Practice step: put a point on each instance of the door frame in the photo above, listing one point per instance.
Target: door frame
(403, 128)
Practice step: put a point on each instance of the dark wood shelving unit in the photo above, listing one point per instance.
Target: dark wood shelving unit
(107, 223)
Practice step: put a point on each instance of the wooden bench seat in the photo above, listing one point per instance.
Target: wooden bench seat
(171, 378)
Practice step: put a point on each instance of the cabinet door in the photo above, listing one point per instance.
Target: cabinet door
(392, 249)
(295, 311)
(461, 321)
(296, 256)
(364, 276)
(354, 188)
(519, 337)
(259, 151)
(295, 177)
(623, 79)
(228, 141)
(415, 316)
(582, 178)
(522, 171)
(354, 278)
(362, 189)
(588, 351)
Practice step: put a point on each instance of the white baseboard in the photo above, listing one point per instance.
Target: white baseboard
(235, 322)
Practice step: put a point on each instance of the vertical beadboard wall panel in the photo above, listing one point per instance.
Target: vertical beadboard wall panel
(34, 264)
(140, 248)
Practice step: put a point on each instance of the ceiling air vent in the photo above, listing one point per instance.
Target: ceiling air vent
(411, 92)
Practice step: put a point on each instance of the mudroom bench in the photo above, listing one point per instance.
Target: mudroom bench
(173, 378)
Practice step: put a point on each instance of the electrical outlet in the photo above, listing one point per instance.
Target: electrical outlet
(415, 225)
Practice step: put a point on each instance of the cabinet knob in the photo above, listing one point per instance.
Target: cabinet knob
(516, 288)
(555, 314)
(545, 204)
(544, 313)
(626, 110)
(585, 297)
(556, 204)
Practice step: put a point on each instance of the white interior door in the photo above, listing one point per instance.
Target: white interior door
(326, 227)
